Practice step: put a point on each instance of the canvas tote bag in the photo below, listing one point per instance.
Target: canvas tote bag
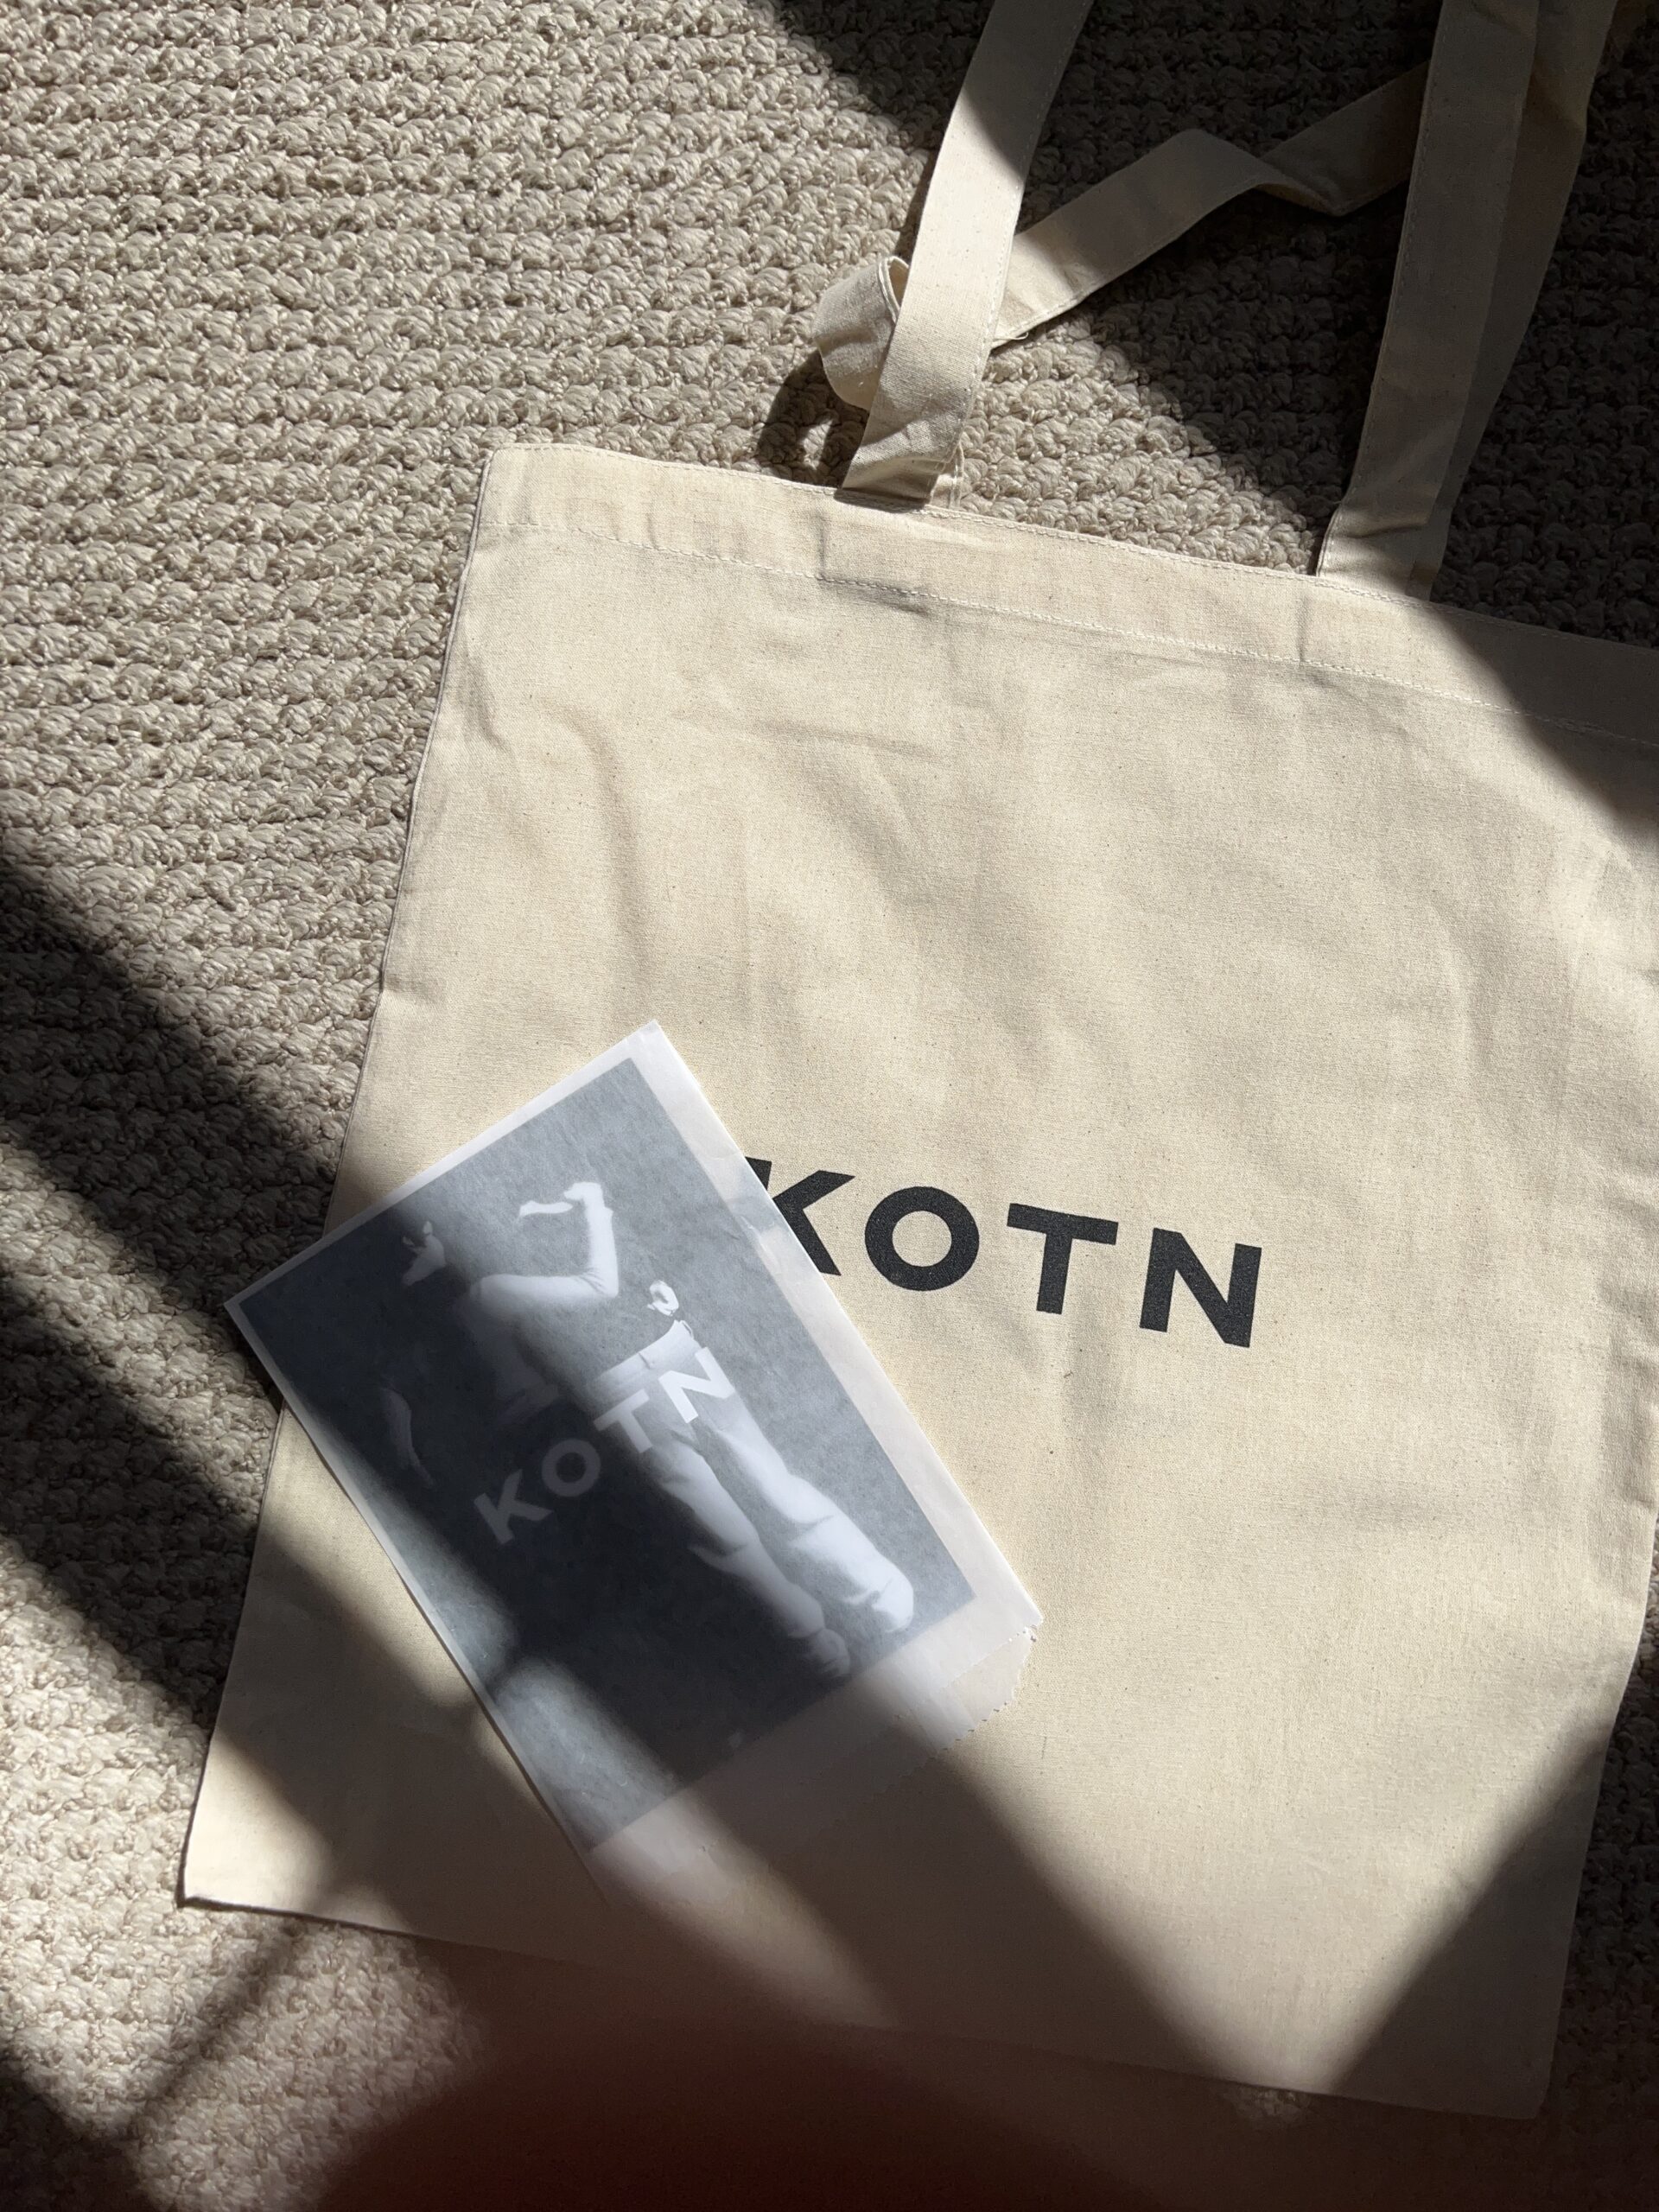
(1205, 1019)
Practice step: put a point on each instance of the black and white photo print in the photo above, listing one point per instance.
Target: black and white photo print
(639, 1471)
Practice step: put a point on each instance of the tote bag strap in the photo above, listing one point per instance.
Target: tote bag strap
(1497, 151)
(1572, 42)
(1334, 166)
(933, 369)
(1498, 147)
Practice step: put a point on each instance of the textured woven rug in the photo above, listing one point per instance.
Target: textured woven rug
(276, 279)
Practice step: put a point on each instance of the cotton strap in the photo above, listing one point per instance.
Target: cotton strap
(1334, 166)
(1501, 130)
(1570, 47)
(937, 356)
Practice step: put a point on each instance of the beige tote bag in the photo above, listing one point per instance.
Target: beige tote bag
(1205, 1019)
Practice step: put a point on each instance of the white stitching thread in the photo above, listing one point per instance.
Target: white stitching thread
(901, 592)
(1278, 578)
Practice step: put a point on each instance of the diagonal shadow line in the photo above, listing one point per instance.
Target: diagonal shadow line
(95, 1576)
(223, 1112)
(95, 1581)
(509, 1999)
(1332, 341)
(50, 2165)
(1124, 110)
(220, 1111)
(40, 1512)
(132, 1042)
(87, 1542)
(226, 2003)
(105, 1556)
(1425, 2016)
(153, 1109)
(49, 2162)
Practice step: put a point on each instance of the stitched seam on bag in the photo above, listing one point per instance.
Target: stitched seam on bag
(1080, 541)
(912, 593)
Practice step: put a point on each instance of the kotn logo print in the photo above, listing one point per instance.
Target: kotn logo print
(1170, 1258)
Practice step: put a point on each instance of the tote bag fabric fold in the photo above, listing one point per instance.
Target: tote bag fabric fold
(1206, 1019)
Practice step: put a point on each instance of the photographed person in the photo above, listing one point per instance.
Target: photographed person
(626, 1355)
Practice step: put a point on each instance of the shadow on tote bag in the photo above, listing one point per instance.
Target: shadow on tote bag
(1203, 1016)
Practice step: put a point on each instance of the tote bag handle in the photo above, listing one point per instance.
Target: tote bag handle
(1334, 166)
(1497, 151)
(1572, 41)
(1489, 188)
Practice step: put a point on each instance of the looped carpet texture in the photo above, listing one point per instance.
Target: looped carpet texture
(275, 281)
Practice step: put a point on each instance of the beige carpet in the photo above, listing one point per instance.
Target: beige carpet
(276, 279)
